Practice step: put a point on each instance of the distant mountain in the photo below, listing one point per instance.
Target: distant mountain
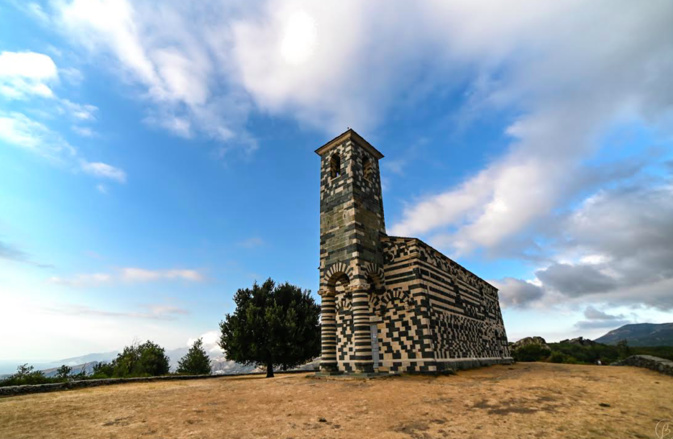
(87, 368)
(88, 358)
(641, 334)
(219, 364)
(9, 367)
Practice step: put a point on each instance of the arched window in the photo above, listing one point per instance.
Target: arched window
(368, 168)
(335, 166)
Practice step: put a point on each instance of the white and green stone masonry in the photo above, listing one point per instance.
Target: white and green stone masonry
(392, 304)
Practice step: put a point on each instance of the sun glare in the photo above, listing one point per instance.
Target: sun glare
(299, 38)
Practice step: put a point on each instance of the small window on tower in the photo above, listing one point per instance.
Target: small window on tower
(335, 166)
(368, 169)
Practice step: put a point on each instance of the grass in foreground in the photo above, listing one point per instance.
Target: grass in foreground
(524, 400)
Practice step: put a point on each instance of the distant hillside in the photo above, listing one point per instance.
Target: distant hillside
(220, 365)
(641, 334)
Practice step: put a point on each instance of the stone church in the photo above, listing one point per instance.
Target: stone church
(390, 303)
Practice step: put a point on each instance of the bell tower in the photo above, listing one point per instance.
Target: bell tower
(351, 249)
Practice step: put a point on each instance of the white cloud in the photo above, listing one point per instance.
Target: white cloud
(143, 275)
(152, 312)
(71, 75)
(24, 74)
(129, 275)
(615, 248)
(210, 342)
(104, 170)
(27, 65)
(596, 319)
(29, 74)
(84, 131)
(169, 50)
(517, 293)
(35, 10)
(77, 328)
(101, 188)
(19, 130)
(80, 112)
(82, 280)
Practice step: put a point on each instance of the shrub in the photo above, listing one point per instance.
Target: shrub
(531, 352)
(103, 370)
(26, 374)
(558, 357)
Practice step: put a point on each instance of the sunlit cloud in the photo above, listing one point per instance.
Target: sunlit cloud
(104, 170)
(23, 74)
(128, 275)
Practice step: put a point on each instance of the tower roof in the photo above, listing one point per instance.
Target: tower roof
(349, 134)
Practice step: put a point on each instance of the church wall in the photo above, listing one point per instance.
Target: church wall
(464, 312)
(405, 337)
(457, 317)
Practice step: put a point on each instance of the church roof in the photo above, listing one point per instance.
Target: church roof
(349, 134)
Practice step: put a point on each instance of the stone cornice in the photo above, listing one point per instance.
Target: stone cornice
(349, 134)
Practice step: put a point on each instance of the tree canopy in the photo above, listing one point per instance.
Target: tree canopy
(272, 326)
(147, 359)
(63, 372)
(196, 361)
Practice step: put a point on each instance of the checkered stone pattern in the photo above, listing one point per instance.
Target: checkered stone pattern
(457, 314)
(344, 322)
(465, 311)
(429, 313)
(399, 333)
(404, 329)
(351, 224)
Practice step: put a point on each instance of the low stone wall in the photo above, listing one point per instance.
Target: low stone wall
(52, 387)
(661, 365)
(455, 364)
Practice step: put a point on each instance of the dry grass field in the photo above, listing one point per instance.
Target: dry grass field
(526, 400)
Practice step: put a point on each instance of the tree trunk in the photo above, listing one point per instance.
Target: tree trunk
(269, 370)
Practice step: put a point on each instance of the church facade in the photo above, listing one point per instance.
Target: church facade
(392, 304)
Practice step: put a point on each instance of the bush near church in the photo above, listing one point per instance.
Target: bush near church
(581, 351)
(272, 326)
(531, 352)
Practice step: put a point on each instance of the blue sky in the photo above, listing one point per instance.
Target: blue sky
(155, 158)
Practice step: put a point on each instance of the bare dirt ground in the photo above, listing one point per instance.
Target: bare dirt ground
(526, 400)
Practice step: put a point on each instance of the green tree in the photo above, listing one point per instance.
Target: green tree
(272, 326)
(196, 361)
(63, 372)
(24, 370)
(147, 359)
(623, 349)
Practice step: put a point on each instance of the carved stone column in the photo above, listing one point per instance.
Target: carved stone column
(328, 359)
(362, 358)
